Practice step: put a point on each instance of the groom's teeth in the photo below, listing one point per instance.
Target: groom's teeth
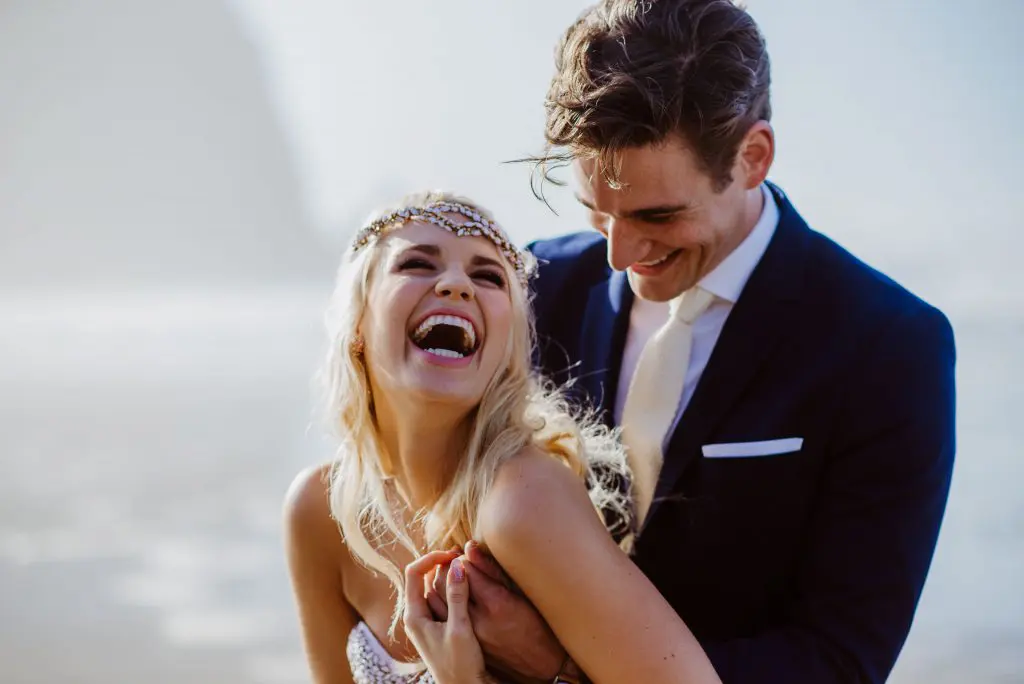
(656, 261)
(447, 353)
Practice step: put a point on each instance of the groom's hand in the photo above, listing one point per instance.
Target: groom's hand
(512, 633)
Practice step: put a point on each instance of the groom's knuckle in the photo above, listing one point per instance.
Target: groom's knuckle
(483, 631)
(460, 632)
(499, 603)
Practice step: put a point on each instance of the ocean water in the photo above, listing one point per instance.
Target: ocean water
(176, 180)
(147, 440)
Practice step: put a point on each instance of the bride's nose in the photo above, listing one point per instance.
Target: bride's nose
(455, 284)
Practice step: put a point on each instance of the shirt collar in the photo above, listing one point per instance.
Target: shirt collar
(729, 277)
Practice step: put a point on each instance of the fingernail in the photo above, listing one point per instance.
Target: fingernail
(458, 572)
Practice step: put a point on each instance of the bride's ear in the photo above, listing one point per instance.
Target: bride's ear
(358, 346)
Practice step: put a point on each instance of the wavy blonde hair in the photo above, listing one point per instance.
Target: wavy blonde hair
(518, 409)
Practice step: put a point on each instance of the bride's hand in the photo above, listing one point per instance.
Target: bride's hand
(450, 649)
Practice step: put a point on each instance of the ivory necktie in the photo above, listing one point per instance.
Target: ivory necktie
(655, 392)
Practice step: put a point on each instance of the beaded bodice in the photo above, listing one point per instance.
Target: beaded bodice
(372, 664)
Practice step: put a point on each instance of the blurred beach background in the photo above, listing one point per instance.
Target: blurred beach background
(178, 179)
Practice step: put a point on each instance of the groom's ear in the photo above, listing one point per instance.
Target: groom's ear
(756, 154)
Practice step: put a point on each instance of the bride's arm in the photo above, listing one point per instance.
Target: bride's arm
(540, 525)
(314, 548)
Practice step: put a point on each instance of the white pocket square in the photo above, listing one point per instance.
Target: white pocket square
(772, 447)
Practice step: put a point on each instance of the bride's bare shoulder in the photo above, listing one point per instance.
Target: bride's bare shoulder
(530, 492)
(307, 510)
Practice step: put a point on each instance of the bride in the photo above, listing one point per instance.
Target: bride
(446, 436)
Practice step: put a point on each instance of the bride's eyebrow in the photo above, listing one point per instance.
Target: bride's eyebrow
(435, 251)
(429, 250)
(400, 253)
(480, 260)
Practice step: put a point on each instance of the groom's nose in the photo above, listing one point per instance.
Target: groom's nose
(626, 245)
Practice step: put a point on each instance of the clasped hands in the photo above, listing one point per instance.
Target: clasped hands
(511, 635)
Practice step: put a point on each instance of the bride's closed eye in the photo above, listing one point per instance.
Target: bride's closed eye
(492, 277)
(417, 263)
(414, 263)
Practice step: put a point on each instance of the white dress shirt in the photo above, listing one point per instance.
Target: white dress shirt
(726, 282)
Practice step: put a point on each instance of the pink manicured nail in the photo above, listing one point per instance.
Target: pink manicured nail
(458, 572)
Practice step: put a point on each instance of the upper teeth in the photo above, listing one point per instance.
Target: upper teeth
(655, 262)
(431, 321)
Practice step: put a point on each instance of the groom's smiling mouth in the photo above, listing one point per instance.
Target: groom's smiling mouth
(654, 266)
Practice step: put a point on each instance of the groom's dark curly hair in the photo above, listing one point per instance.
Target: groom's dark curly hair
(630, 73)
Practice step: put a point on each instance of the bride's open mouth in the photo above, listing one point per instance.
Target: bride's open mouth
(446, 336)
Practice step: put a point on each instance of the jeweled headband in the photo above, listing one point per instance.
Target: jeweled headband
(476, 225)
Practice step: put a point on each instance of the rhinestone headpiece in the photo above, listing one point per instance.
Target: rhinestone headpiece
(475, 225)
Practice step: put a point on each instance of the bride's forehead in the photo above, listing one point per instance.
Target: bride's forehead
(444, 242)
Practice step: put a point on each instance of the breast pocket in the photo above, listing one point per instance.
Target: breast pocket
(751, 489)
(759, 449)
(740, 515)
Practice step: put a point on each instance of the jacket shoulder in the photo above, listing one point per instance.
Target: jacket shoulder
(577, 260)
(866, 296)
(570, 246)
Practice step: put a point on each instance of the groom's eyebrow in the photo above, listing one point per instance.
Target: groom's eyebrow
(645, 212)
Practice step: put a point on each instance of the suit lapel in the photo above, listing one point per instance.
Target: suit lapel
(756, 325)
(602, 339)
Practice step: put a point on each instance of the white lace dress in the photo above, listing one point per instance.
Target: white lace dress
(372, 664)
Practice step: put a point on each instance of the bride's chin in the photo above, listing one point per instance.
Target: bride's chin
(441, 395)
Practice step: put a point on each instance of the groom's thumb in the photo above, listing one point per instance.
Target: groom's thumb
(458, 596)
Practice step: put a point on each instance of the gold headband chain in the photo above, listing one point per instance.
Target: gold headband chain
(477, 226)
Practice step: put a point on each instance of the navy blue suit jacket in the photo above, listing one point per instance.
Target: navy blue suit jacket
(801, 567)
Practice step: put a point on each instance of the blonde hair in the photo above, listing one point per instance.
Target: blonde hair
(518, 409)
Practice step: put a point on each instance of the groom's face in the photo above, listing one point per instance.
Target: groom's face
(665, 223)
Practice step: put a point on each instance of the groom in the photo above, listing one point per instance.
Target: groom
(789, 411)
